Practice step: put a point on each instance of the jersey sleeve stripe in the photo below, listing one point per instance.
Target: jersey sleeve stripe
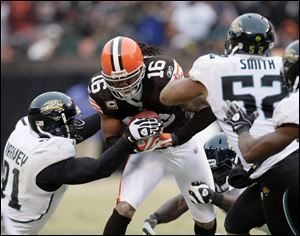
(178, 72)
(120, 185)
(95, 105)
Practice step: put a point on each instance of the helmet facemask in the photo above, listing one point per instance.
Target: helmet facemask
(115, 84)
(290, 69)
(220, 167)
(60, 125)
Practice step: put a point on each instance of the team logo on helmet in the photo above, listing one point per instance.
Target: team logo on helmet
(53, 105)
(291, 55)
(237, 28)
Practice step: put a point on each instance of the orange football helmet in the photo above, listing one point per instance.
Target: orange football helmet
(123, 67)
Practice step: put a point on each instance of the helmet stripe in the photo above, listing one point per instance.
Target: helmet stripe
(116, 54)
(111, 57)
(120, 53)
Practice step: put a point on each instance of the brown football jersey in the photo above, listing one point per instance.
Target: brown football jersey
(160, 70)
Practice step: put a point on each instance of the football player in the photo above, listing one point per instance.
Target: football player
(221, 158)
(248, 75)
(131, 80)
(286, 123)
(39, 159)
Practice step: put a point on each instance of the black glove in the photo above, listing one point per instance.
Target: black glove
(142, 128)
(237, 118)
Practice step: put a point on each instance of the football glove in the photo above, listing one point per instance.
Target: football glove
(142, 128)
(150, 224)
(237, 118)
(164, 140)
(200, 193)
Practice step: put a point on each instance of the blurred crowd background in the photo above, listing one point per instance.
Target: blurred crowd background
(47, 30)
(56, 45)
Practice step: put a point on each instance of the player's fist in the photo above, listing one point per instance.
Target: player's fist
(156, 142)
(142, 128)
(200, 193)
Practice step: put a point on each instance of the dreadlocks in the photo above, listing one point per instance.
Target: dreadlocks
(149, 50)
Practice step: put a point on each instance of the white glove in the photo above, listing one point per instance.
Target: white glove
(147, 229)
(142, 128)
(200, 193)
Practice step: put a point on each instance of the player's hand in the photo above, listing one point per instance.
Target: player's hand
(164, 140)
(142, 128)
(200, 193)
(149, 225)
(237, 118)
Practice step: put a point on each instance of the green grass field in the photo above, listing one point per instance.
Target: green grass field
(86, 208)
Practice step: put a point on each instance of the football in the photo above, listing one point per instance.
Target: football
(147, 144)
(146, 114)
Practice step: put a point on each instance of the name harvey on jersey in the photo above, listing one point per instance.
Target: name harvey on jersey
(15, 154)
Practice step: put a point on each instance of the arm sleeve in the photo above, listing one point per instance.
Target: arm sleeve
(199, 122)
(84, 169)
(92, 125)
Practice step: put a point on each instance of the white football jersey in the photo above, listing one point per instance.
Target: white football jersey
(254, 82)
(287, 111)
(27, 207)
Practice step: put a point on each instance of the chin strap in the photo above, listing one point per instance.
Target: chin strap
(63, 116)
(234, 50)
(44, 132)
(296, 84)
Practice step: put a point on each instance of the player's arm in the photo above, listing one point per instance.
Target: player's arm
(258, 150)
(86, 169)
(169, 211)
(111, 129)
(181, 91)
(199, 122)
(92, 125)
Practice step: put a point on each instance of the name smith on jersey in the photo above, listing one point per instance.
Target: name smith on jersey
(257, 64)
(15, 154)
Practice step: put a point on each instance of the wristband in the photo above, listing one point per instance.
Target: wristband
(242, 129)
(217, 199)
(174, 139)
(156, 216)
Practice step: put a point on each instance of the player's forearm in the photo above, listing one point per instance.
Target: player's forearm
(258, 150)
(179, 91)
(172, 209)
(84, 169)
(114, 156)
(92, 126)
(199, 122)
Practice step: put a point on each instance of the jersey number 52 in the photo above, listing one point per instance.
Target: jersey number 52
(250, 99)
